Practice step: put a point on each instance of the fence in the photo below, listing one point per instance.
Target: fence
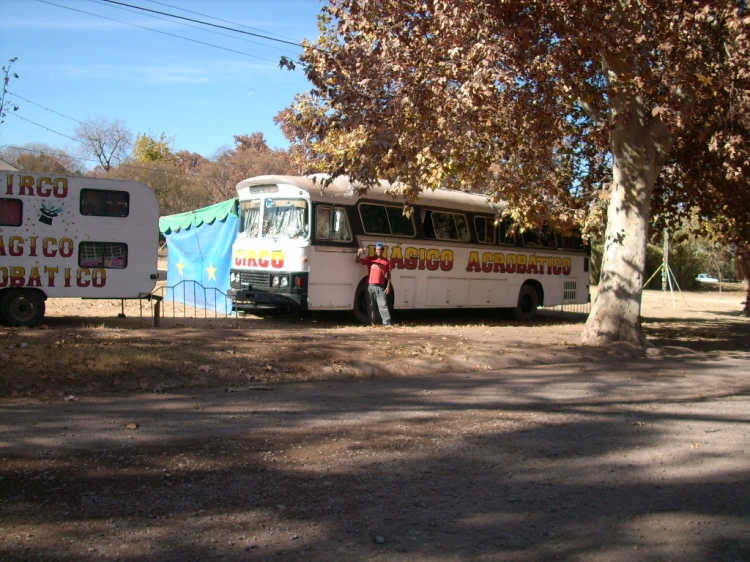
(571, 311)
(190, 301)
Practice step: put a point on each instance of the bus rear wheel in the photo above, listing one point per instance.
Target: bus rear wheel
(360, 312)
(21, 307)
(528, 301)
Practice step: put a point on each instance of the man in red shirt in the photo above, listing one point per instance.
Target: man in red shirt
(379, 284)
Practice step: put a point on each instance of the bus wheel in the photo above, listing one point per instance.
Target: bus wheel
(528, 301)
(22, 308)
(360, 312)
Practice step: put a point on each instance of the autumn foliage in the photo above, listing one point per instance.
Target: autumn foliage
(555, 106)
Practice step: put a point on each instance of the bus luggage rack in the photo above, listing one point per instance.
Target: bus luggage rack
(190, 301)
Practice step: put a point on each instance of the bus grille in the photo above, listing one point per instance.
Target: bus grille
(569, 291)
(255, 279)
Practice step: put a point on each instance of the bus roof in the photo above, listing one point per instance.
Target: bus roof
(342, 191)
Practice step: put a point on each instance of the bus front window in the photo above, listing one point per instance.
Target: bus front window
(285, 218)
(250, 218)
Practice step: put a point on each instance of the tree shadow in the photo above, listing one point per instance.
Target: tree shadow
(699, 335)
(555, 462)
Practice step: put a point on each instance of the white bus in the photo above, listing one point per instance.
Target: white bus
(297, 242)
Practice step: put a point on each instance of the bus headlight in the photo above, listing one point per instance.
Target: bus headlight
(233, 277)
(284, 281)
(274, 281)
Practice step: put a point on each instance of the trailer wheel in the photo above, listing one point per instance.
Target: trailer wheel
(528, 301)
(359, 311)
(22, 307)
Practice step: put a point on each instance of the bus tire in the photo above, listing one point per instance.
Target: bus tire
(22, 307)
(528, 301)
(359, 311)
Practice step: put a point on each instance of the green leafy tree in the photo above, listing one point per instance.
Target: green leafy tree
(543, 103)
(150, 149)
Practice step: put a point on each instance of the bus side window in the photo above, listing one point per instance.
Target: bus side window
(540, 238)
(383, 219)
(450, 226)
(506, 236)
(548, 238)
(332, 223)
(323, 223)
(573, 242)
(429, 231)
(340, 230)
(530, 238)
(374, 219)
(462, 226)
(485, 230)
(400, 225)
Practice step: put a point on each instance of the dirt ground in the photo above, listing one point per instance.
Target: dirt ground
(452, 436)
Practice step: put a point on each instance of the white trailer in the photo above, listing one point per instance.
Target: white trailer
(64, 236)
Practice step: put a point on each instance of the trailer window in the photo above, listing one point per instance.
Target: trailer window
(11, 212)
(109, 255)
(382, 219)
(105, 203)
(331, 223)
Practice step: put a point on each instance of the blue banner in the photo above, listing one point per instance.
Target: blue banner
(199, 259)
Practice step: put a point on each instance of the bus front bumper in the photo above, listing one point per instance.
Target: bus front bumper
(248, 299)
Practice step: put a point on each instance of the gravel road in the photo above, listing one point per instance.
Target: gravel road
(638, 459)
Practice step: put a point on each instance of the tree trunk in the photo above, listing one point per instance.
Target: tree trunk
(639, 147)
(615, 314)
(742, 269)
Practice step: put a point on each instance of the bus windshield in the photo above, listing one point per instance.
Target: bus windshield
(280, 218)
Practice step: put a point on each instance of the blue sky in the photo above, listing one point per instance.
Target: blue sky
(199, 93)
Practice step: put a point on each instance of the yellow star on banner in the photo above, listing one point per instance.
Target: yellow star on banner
(181, 266)
(211, 271)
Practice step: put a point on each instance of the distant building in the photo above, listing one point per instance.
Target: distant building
(7, 167)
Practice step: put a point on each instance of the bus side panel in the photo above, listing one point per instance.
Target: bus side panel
(433, 274)
(488, 292)
(334, 279)
(405, 290)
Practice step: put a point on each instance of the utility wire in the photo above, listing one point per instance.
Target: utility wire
(103, 2)
(43, 127)
(90, 125)
(46, 108)
(157, 31)
(217, 19)
(295, 43)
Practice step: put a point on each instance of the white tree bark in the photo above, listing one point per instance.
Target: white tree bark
(640, 144)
